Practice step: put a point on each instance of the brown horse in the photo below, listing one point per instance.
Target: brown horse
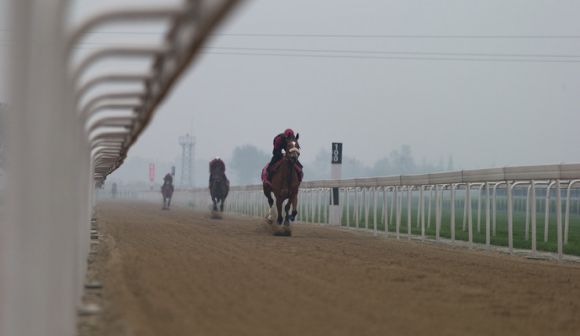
(285, 183)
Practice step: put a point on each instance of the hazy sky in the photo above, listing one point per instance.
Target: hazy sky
(338, 88)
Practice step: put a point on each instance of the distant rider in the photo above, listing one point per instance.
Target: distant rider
(216, 167)
(168, 179)
(167, 183)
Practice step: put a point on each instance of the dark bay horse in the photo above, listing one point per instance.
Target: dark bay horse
(285, 183)
(167, 192)
(219, 185)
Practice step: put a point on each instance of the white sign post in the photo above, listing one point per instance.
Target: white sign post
(335, 208)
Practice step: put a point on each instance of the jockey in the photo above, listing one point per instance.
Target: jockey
(218, 166)
(280, 144)
(168, 179)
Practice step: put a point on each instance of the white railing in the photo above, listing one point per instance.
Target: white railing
(430, 204)
(64, 139)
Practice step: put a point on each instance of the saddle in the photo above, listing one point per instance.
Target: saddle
(274, 169)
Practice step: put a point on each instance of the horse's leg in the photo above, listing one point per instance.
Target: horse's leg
(222, 205)
(268, 193)
(214, 203)
(287, 210)
(279, 208)
(294, 207)
(168, 202)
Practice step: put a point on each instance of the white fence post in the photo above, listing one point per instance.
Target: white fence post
(533, 219)
(452, 224)
(421, 217)
(547, 211)
(510, 217)
(409, 224)
(385, 209)
(567, 215)
(479, 196)
(366, 205)
(468, 207)
(347, 199)
(559, 219)
(487, 213)
(40, 267)
(375, 210)
(397, 210)
(527, 229)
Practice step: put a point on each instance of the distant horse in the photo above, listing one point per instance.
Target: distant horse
(219, 186)
(285, 182)
(167, 192)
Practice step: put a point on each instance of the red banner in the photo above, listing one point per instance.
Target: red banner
(151, 172)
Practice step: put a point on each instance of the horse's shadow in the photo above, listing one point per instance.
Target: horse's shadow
(216, 215)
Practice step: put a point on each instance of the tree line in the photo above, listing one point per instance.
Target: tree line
(248, 160)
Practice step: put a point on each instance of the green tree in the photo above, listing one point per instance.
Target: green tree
(402, 161)
(382, 168)
(319, 169)
(247, 162)
(450, 163)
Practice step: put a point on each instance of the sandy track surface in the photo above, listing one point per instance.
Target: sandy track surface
(181, 273)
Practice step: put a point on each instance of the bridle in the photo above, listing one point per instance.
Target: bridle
(293, 150)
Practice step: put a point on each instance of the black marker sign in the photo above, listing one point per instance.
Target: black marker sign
(336, 153)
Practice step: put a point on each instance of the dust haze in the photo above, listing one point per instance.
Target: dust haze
(497, 86)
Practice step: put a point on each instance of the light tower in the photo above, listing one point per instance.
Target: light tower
(187, 142)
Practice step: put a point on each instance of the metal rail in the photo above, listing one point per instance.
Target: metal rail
(65, 140)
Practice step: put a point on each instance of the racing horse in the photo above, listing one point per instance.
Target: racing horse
(219, 185)
(285, 182)
(167, 193)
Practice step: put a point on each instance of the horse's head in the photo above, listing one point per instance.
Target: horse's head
(292, 149)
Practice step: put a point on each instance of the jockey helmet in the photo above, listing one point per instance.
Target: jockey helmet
(289, 133)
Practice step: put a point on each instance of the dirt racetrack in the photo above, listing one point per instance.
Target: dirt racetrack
(181, 273)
